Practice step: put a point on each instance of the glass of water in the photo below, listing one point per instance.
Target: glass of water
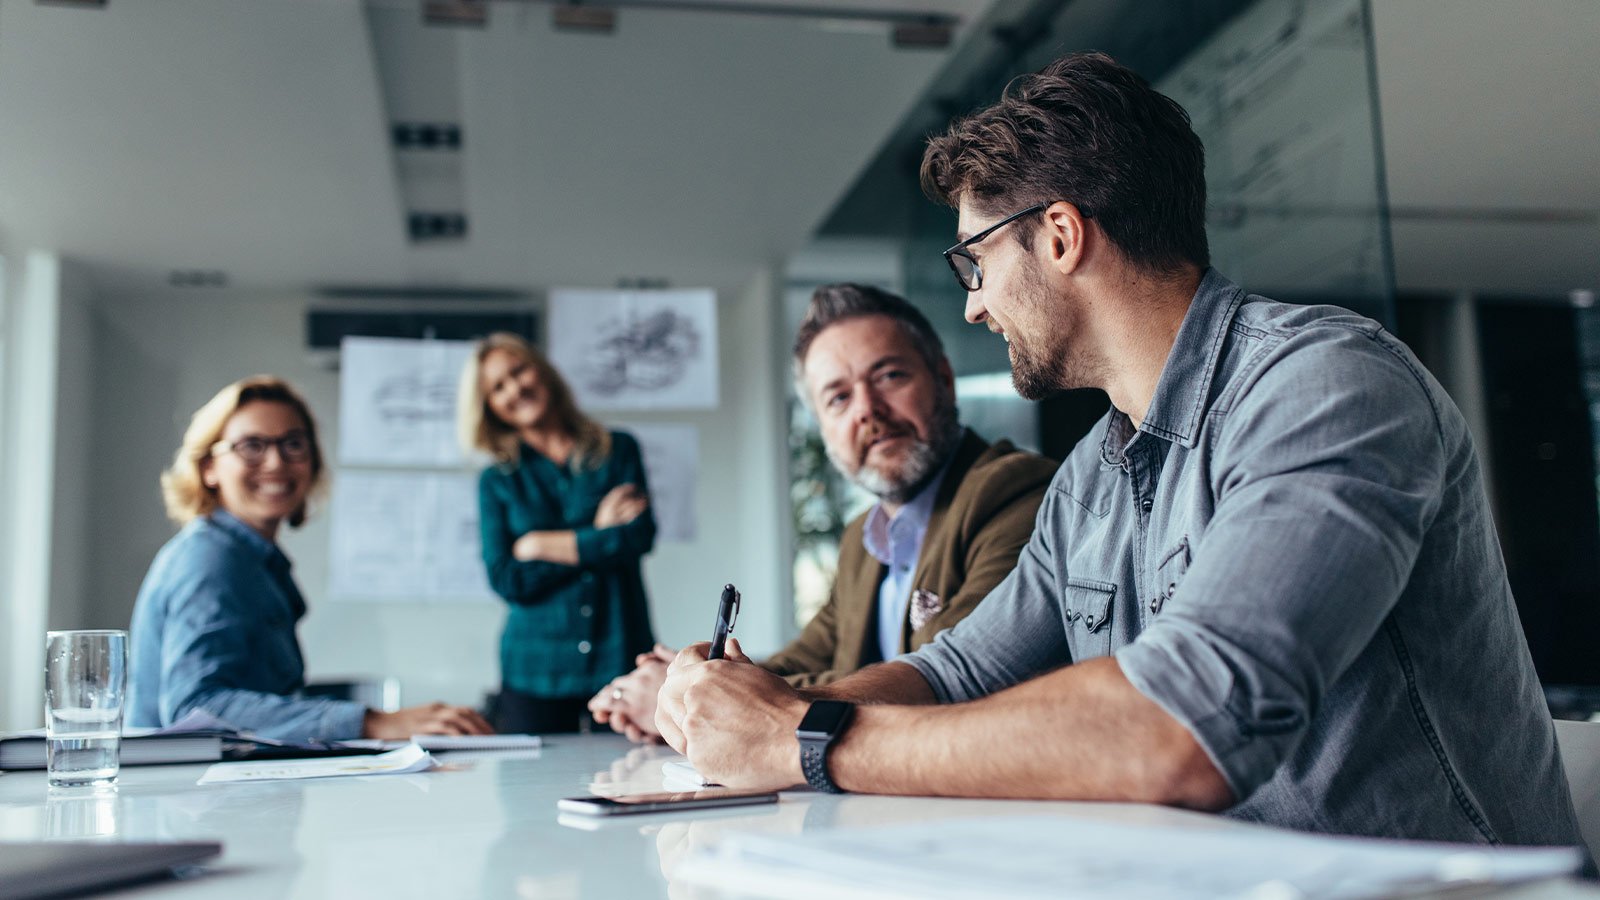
(85, 677)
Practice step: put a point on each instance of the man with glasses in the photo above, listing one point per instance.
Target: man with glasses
(953, 511)
(1267, 582)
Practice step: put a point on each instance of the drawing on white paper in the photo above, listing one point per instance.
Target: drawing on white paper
(645, 353)
(625, 350)
(672, 466)
(406, 536)
(397, 401)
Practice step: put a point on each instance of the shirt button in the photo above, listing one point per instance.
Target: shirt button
(1146, 504)
(1155, 603)
(584, 647)
(588, 578)
(1089, 621)
(586, 610)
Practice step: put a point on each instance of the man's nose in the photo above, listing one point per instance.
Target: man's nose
(975, 311)
(866, 404)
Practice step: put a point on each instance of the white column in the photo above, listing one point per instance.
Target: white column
(27, 476)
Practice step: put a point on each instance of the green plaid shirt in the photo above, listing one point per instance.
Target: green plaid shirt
(571, 628)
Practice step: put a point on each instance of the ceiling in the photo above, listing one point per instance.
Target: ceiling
(252, 137)
(1491, 134)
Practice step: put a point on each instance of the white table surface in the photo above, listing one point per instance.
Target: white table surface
(485, 826)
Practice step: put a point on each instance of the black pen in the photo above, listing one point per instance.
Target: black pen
(727, 612)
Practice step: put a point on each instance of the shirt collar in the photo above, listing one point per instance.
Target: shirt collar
(884, 534)
(235, 528)
(1181, 394)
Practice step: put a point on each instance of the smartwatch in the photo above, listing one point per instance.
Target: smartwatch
(822, 725)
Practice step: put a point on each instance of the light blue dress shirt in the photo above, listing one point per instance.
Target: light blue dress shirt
(896, 541)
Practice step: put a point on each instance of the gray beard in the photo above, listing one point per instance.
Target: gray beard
(922, 464)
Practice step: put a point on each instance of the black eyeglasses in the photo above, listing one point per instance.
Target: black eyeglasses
(965, 265)
(252, 450)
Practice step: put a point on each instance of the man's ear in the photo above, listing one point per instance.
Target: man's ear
(1065, 234)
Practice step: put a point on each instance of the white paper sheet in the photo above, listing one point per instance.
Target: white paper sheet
(680, 774)
(406, 536)
(636, 349)
(409, 758)
(397, 401)
(672, 465)
(1053, 856)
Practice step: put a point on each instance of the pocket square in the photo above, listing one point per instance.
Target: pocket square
(924, 606)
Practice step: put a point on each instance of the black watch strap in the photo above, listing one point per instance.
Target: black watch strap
(824, 721)
(814, 762)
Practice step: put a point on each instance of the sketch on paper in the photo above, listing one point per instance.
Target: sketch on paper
(624, 350)
(646, 353)
(672, 466)
(406, 536)
(397, 401)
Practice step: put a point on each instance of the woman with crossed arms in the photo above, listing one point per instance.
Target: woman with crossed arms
(565, 516)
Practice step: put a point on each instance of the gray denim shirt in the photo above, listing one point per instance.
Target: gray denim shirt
(1293, 555)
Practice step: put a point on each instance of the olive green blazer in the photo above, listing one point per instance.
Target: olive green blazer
(981, 520)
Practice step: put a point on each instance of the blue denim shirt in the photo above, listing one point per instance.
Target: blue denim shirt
(1292, 555)
(214, 630)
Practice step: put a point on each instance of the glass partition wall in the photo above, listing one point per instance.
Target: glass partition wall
(1282, 94)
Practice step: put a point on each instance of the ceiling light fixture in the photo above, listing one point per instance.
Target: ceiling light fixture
(909, 28)
(456, 13)
(592, 19)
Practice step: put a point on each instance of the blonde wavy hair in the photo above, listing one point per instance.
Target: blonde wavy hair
(184, 490)
(478, 428)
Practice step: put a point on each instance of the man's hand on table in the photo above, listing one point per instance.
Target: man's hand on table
(734, 720)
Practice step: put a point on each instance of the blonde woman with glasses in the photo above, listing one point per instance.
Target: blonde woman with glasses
(214, 624)
(565, 515)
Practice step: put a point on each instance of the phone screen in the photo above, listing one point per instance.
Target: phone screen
(704, 798)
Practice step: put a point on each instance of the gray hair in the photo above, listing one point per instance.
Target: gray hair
(835, 303)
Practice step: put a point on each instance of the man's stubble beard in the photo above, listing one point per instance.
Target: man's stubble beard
(1037, 375)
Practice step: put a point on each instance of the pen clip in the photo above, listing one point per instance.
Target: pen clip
(733, 612)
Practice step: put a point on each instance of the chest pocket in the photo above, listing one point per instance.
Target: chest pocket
(1169, 574)
(1086, 613)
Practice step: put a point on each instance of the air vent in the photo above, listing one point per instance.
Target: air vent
(437, 226)
(426, 136)
(326, 328)
(197, 278)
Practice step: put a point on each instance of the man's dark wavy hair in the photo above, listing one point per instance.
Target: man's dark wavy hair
(1090, 131)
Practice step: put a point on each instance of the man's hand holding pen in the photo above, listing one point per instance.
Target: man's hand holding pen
(733, 719)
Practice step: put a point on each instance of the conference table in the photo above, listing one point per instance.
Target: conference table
(482, 825)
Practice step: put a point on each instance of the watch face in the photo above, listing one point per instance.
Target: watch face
(825, 717)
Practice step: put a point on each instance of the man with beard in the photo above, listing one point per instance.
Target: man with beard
(1268, 580)
(952, 514)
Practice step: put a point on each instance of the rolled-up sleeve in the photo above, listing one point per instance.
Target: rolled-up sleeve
(1321, 505)
(1014, 634)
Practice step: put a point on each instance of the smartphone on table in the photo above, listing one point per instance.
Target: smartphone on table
(665, 801)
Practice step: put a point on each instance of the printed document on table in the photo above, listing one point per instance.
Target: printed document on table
(680, 774)
(1057, 856)
(409, 758)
